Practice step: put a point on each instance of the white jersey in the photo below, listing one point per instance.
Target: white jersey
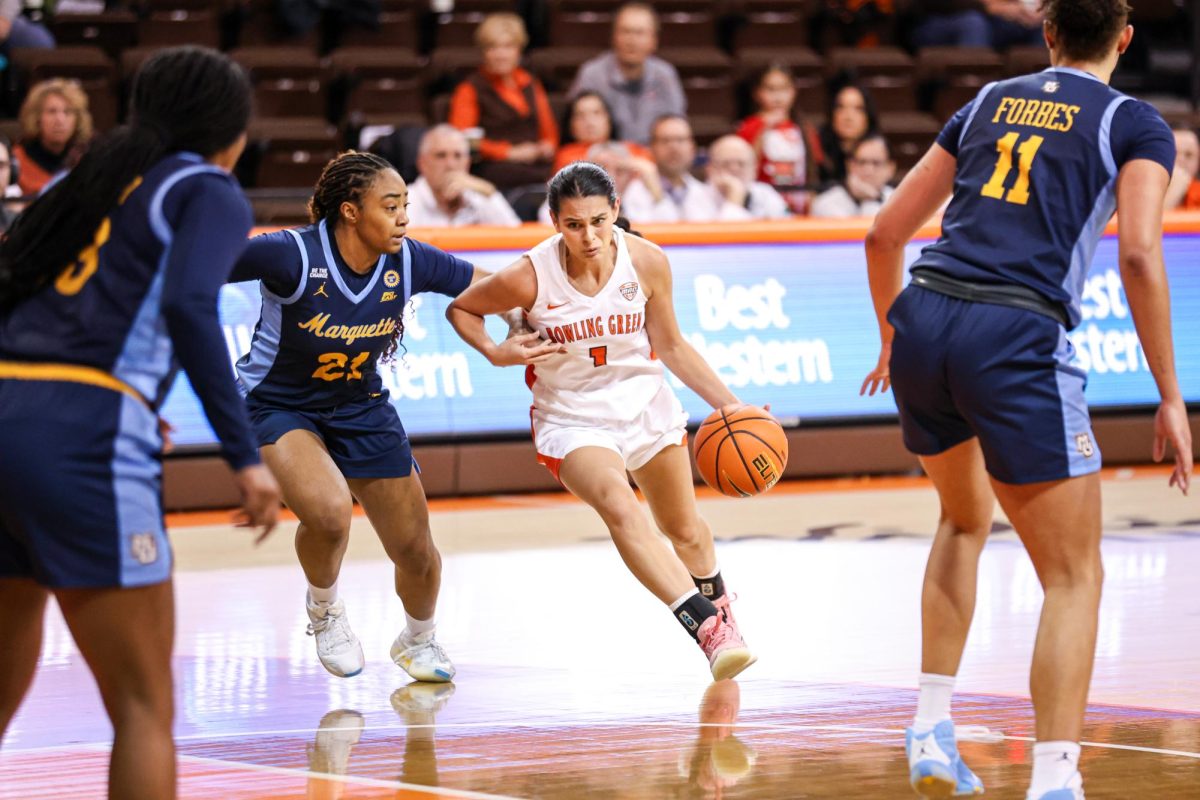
(609, 371)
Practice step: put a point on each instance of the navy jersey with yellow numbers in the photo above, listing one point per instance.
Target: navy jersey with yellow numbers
(1035, 182)
(324, 326)
(141, 300)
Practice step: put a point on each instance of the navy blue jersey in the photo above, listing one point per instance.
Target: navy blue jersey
(324, 326)
(1035, 182)
(142, 298)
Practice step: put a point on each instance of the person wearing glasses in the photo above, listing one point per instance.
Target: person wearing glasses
(863, 192)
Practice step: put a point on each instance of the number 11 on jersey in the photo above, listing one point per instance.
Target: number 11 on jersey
(1019, 193)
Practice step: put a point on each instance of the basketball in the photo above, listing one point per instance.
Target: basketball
(740, 450)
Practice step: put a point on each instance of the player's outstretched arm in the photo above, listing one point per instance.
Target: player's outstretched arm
(513, 286)
(1141, 185)
(920, 194)
(672, 349)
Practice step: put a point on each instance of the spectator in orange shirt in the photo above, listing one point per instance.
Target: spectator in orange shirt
(1184, 189)
(510, 105)
(788, 152)
(589, 121)
(55, 130)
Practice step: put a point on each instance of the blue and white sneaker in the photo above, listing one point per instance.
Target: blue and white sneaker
(1072, 791)
(935, 768)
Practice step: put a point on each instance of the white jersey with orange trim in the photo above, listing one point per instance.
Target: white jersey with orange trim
(609, 371)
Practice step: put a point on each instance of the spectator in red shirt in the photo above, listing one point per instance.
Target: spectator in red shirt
(520, 135)
(788, 151)
(589, 121)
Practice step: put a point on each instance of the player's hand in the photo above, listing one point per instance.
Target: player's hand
(165, 429)
(880, 378)
(260, 500)
(1171, 425)
(523, 349)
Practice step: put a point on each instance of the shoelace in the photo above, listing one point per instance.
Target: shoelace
(334, 623)
(720, 634)
(426, 652)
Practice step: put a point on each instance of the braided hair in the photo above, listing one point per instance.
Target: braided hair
(347, 179)
(184, 99)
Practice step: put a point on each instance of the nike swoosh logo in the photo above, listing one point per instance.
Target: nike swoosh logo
(552, 306)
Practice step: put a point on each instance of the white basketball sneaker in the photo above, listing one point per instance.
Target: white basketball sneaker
(337, 646)
(422, 657)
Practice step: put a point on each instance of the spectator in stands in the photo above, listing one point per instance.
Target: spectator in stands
(7, 213)
(682, 198)
(732, 168)
(1184, 189)
(18, 31)
(851, 116)
(638, 86)
(976, 23)
(446, 194)
(510, 105)
(865, 189)
(55, 130)
(781, 144)
(626, 167)
(587, 122)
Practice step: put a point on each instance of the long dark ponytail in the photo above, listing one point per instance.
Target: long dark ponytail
(184, 98)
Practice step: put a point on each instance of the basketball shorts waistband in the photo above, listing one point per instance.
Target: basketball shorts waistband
(69, 373)
(1003, 294)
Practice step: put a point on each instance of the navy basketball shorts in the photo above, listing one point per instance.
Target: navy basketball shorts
(80, 487)
(962, 369)
(365, 437)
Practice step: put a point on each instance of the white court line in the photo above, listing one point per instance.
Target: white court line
(745, 726)
(347, 779)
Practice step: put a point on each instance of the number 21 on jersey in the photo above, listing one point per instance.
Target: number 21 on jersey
(1026, 150)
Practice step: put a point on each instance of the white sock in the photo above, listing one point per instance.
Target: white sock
(1054, 764)
(933, 702)
(416, 627)
(683, 598)
(323, 597)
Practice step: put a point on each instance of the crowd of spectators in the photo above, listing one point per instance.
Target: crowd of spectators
(505, 133)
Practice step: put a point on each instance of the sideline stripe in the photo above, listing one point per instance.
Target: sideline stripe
(745, 726)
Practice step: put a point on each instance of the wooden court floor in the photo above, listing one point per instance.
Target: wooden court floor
(573, 682)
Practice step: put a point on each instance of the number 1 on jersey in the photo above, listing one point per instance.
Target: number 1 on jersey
(599, 355)
(1019, 193)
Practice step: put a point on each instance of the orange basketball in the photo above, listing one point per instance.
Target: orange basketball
(740, 450)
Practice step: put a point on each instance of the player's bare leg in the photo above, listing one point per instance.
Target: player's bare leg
(666, 481)
(24, 604)
(1059, 523)
(948, 595)
(126, 637)
(400, 515)
(597, 476)
(314, 489)
(947, 607)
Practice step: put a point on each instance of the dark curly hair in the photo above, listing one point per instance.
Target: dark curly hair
(1086, 29)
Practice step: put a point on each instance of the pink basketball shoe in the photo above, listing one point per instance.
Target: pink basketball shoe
(722, 643)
